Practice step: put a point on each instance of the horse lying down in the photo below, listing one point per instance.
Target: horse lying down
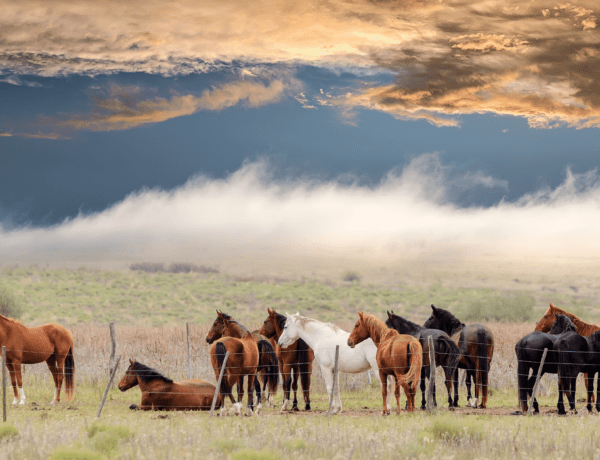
(161, 393)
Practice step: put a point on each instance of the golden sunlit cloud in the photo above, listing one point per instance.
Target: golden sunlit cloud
(534, 59)
(121, 109)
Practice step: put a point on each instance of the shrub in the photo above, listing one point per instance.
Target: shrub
(9, 306)
(351, 277)
(121, 432)
(187, 268)
(253, 454)
(227, 445)
(64, 453)
(512, 307)
(8, 430)
(147, 267)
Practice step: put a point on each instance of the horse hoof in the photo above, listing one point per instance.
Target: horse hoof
(285, 405)
(133, 407)
(307, 407)
(295, 408)
(423, 407)
(258, 409)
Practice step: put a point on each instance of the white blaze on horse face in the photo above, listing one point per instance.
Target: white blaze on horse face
(290, 333)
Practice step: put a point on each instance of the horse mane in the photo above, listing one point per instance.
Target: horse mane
(448, 318)
(231, 320)
(10, 320)
(281, 319)
(564, 323)
(396, 320)
(304, 321)
(382, 328)
(147, 374)
(583, 328)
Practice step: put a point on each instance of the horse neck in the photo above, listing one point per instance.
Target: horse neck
(405, 326)
(235, 330)
(7, 326)
(311, 331)
(378, 330)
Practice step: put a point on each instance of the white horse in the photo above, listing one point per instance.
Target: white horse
(322, 338)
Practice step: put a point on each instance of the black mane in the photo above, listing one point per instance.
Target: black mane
(147, 374)
(403, 325)
(229, 318)
(281, 319)
(562, 323)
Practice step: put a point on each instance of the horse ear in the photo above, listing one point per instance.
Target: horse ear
(552, 307)
(390, 314)
(131, 361)
(433, 308)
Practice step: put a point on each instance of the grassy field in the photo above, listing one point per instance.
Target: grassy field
(150, 311)
(85, 296)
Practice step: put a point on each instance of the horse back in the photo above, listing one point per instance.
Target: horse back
(392, 353)
(530, 349)
(471, 339)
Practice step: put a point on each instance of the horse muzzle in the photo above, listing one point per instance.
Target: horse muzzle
(209, 341)
(350, 343)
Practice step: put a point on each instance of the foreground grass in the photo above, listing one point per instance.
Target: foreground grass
(72, 431)
(85, 296)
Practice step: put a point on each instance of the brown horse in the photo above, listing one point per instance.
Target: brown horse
(476, 343)
(161, 393)
(31, 345)
(243, 361)
(295, 360)
(267, 361)
(397, 354)
(583, 328)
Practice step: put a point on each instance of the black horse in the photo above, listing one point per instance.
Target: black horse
(529, 350)
(447, 353)
(476, 344)
(576, 354)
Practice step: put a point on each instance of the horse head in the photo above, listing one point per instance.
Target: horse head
(562, 324)
(268, 329)
(290, 331)
(129, 380)
(545, 324)
(216, 330)
(360, 332)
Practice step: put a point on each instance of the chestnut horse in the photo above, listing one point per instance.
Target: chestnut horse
(295, 360)
(267, 361)
(243, 361)
(31, 345)
(583, 328)
(398, 355)
(161, 393)
(476, 343)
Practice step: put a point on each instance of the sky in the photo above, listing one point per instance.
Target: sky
(202, 131)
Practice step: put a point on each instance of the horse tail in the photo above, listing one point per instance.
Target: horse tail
(303, 364)
(69, 374)
(452, 353)
(220, 352)
(270, 364)
(522, 376)
(482, 360)
(414, 352)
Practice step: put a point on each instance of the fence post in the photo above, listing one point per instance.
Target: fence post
(187, 329)
(112, 376)
(430, 405)
(335, 374)
(4, 384)
(214, 402)
(113, 348)
(537, 383)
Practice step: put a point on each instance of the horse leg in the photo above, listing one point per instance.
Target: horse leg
(286, 374)
(13, 381)
(589, 383)
(571, 394)
(251, 378)
(397, 393)
(424, 374)
(19, 381)
(561, 405)
(455, 384)
(237, 407)
(338, 393)
(448, 381)
(468, 378)
(295, 388)
(384, 391)
(305, 380)
(56, 375)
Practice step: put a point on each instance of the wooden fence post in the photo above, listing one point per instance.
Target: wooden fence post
(113, 348)
(112, 376)
(537, 383)
(4, 384)
(214, 402)
(430, 405)
(187, 329)
(335, 374)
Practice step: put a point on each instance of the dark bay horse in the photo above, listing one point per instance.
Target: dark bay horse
(399, 355)
(447, 353)
(476, 344)
(294, 361)
(242, 362)
(161, 393)
(529, 350)
(576, 354)
(31, 345)
(267, 359)
(583, 328)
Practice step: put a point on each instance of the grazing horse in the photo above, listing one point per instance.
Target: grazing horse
(243, 361)
(476, 343)
(267, 360)
(161, 393)
(529, 350)
(576, 354)
(399, 355)
(31, 345)
(322, 338)
(447, 353)
(295, 360)
(583, 328)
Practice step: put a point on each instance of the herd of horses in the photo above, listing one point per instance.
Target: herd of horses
(396, 350)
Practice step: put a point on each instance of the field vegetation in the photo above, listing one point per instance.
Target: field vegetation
(150, 311)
